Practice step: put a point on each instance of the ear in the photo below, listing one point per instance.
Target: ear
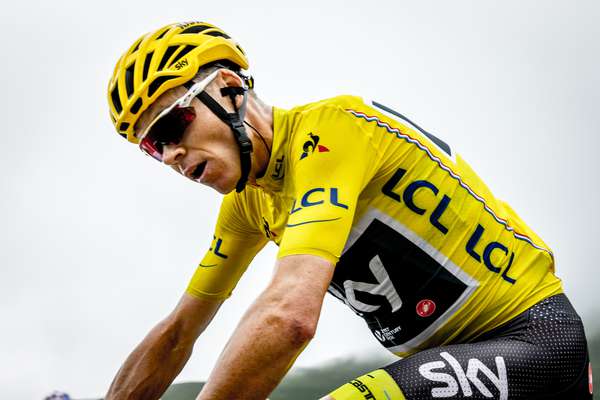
(230, 78)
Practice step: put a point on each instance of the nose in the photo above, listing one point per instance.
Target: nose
(172, 154)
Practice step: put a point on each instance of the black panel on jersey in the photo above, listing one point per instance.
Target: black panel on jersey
(415, 276)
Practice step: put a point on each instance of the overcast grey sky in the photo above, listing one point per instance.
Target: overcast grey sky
(98, 241)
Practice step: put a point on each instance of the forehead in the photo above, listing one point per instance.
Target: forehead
(162, 102)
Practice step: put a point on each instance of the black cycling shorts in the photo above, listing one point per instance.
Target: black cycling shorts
(541, 354)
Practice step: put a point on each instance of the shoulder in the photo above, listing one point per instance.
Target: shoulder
(335, 106)
(240, 212)
(326, 137)
(331, 119)
(346, 117)
(343, 101)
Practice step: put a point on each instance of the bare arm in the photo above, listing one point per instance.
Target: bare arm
(273, 332)
(158, 359)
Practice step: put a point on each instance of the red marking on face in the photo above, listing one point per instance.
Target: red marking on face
(425, 308)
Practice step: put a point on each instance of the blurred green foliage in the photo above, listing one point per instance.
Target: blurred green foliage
(314, 383)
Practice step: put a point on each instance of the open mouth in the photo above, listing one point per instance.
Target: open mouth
(197, 172)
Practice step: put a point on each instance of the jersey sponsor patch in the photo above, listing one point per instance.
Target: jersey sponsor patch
(318, 196)
(312, 145)
(491, 248)
(425, 308)
(376, 385)
(315, 197)
(279, 170)
(216, 247)
(384, 281)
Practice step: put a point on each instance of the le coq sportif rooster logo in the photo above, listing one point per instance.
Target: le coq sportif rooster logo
(311, 145)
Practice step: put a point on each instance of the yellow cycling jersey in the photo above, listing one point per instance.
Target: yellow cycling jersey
(423, 251)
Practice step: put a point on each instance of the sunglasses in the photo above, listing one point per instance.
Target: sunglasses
(169, 126)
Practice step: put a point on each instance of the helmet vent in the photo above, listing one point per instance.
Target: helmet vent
(162, 34)
(137, 46)
(136, 106)
(195, 29)
(123, 127)
(182, 53)
(158, 82)
(166, 56)
(129, 80)
(218, 34)
(114, 95)
(147, 65)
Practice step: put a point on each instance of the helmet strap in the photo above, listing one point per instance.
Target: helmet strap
(235, 121)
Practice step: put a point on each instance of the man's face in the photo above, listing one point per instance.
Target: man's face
(208, 152)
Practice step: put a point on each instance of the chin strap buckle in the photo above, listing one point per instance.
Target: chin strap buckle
(245, 145)
(237, 126)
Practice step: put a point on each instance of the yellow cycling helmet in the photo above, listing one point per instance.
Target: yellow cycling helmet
(161, 60)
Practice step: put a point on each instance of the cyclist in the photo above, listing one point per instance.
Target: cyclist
(363, 204)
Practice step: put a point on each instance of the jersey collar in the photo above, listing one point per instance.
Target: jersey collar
(272, 180)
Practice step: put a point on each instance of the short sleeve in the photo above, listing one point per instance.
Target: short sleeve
(234, 245)
(332, 161)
